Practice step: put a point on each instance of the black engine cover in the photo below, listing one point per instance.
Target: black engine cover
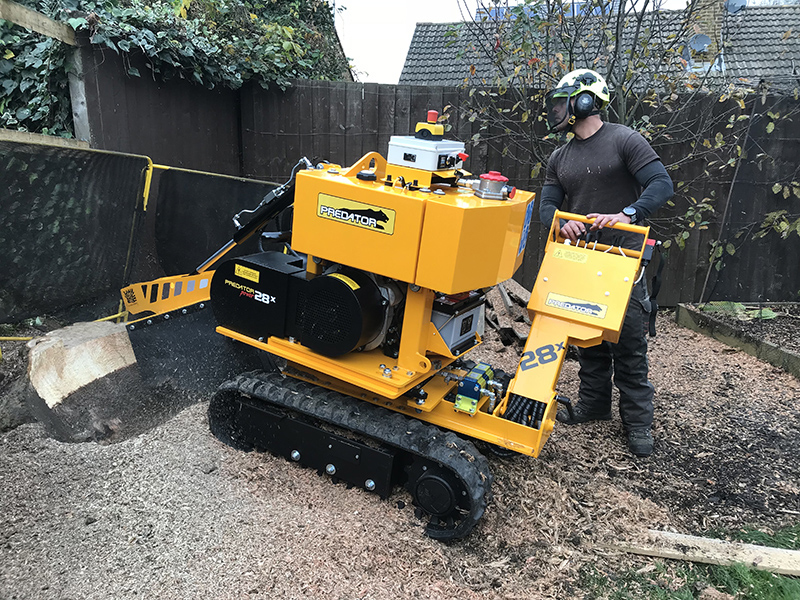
(267, 294)
(343, 311)
(259, 295)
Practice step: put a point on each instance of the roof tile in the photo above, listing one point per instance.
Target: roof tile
(763, 44)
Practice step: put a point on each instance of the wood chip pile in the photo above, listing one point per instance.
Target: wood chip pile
(174, 514)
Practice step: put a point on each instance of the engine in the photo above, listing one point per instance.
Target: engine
(340, 311)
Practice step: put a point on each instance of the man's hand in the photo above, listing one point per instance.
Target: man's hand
(601, 220)
(572, 230)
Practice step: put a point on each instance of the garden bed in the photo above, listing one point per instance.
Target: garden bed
(768, 331)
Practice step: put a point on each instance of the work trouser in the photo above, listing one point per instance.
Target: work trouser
(627, 362)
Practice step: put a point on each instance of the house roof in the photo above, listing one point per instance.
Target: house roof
(435, 58)
(763, 44)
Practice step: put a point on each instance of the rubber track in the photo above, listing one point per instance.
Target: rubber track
(388, 427)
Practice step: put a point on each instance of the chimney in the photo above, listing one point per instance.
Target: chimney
(708, 20)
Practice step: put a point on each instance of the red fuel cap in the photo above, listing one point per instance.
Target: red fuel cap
(494, 176)
(433, 116)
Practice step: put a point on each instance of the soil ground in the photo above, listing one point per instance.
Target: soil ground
(173, 513)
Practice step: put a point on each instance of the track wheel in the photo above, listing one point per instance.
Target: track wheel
(440, 495)
(223, 420)
(495, 450)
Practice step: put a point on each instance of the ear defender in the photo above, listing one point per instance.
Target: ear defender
(584, 105)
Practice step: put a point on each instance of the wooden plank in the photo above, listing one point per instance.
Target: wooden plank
(386, 117)
(305, 120)
(36, 21)
(370, 120)
(77, 93)
(450, 97)
(690, 317)
(402, 111)
(320, 132)
(9, 135)
(420, 105)
(257, 119)
(665, 544)
(354, 124)
(435, 101)
(336, 123)
(295, 103)
(282, 152)
(247, 135)
(105, 94)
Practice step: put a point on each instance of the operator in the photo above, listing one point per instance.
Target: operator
(611, 174)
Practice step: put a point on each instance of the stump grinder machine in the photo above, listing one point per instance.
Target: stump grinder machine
(372, 308)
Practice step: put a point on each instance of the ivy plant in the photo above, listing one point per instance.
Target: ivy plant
(209, 42)
(34, 88)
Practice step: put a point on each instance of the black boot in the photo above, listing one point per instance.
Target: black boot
(581, 415)
(640, 441)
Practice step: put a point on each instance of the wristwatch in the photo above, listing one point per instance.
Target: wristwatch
(630, 212)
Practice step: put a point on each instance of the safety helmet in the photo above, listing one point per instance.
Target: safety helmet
(589, 91)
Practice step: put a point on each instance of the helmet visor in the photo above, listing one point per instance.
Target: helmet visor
(556, 105)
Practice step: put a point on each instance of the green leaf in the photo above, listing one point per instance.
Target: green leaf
(77, 23)
(730, 249)
(723, 306)
(776, 188)
(770, 127)
(763, 313)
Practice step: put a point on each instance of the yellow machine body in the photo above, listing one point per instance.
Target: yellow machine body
(449, 243)
(442, 240)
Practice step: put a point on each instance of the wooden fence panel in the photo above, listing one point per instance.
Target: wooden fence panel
(262, 133)
(174, 123)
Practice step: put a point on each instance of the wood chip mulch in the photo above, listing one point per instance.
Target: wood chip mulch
(173, 513)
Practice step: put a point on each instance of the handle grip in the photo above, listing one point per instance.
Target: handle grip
(584, 219)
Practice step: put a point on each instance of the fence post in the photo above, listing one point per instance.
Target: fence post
(77, 95)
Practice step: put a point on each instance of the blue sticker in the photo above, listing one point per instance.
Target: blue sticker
(526, 228)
